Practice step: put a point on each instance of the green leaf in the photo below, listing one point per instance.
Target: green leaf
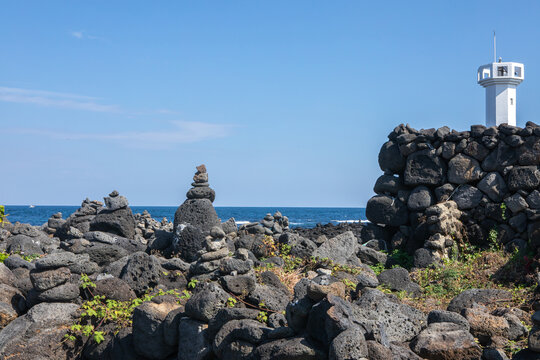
(98, 336)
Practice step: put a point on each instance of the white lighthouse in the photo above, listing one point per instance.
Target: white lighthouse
(500, 80)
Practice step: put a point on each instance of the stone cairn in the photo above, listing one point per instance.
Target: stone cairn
(52, 279)
(116, 218)
(197, 210)
(200, 187)
(147, 225)
(54, 223)
(211, 253)
(79, 222)
(217, 259)
(271, 225)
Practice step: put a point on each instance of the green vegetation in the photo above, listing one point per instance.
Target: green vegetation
(503, 211)
(401, 258)
(192, 283)
(263, 315)
(377, 269)
(349, 284)
(231, 302)
(100, 311)
(489, 268)
(4, 255)
(492, 239)
(2, 215)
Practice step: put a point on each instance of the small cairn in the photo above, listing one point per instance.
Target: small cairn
(271, 225)
(54, 223)
(79, 222)
(115, 201)
(116, 218)
(217, 260)
(215, 249)
(52, 279)
(201, 188)
(147, 225)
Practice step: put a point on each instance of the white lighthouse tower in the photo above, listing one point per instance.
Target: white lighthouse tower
(500, 80)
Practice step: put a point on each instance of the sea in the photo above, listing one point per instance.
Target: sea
(306, 217)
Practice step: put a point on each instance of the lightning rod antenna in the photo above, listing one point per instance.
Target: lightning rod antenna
(494, 47)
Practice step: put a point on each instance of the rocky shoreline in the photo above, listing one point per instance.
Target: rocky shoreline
(109, 284)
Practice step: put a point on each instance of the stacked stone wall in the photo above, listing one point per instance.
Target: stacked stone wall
(491, 174)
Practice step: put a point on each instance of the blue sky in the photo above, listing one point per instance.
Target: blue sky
(286, 102)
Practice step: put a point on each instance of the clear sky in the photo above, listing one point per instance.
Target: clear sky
(286, 102)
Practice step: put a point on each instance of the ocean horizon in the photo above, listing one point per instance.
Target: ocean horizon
(306, 217)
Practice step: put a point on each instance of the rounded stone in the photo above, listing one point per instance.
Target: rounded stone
(201, 193)
(467, 197)
(382, 209)
(424, 168)
(420, 199)
(390, 158)
(463, 169)
(388, 184)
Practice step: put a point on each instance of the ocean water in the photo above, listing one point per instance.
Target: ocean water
(298, 216)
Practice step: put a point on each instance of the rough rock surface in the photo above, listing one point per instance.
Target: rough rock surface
(446, 341)
(37, 334)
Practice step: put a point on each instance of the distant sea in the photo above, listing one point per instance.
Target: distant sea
(306, 217)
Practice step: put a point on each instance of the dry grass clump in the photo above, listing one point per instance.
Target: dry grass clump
(287, 278)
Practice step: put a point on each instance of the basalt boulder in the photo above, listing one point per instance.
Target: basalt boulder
(197, 212)
(383, 209)
(424, 168)
(463, 169)
(120, 222)
(141, 272)
(390, 158)
(38, 333)
(446, 341)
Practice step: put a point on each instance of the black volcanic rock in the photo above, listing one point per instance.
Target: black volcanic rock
(197, 212)
(424, 168)
(120, 222)
(382, 209)
(390, 158)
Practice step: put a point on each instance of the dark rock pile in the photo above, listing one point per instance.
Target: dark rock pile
(272, 225)
(491, 174)
(214, 291)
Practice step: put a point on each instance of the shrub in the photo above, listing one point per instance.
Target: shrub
(100, 311)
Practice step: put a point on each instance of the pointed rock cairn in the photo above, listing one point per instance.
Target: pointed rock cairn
(198, 210)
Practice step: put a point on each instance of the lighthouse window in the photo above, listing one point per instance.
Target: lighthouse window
(511, 101)
(517, 71)
(502, 70)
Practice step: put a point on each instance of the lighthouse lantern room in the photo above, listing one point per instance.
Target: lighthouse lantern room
(500, 80)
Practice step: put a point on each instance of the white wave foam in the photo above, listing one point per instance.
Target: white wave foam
(347, 221)
(242, 222)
